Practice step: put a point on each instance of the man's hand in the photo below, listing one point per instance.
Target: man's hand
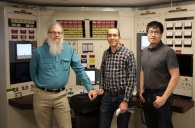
(92, 94)
(100, 91)
(160, 101)
(123, 107)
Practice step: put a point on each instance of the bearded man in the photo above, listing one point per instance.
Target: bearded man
(50, 70)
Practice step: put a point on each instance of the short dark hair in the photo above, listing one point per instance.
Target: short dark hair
(114, 28)
(155, 24)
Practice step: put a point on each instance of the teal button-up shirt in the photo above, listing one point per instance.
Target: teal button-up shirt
(52, 72)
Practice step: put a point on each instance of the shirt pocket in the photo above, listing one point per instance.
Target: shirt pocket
(46, 64)
(65, 64)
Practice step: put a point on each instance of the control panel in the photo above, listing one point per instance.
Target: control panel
(22, 39)
(184, 87)
(22, 29)
(179, 36)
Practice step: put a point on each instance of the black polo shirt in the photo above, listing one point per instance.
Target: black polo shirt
(156, 63)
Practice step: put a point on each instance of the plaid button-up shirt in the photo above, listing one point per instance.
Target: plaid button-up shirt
(118, 71)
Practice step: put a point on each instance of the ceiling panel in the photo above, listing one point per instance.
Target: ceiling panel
(95, 3)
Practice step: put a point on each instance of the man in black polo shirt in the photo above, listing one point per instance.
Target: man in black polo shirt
(158, 78)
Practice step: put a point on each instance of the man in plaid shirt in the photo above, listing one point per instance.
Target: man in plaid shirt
(117, 81)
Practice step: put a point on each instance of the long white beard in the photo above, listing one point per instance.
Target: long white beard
(55, 46)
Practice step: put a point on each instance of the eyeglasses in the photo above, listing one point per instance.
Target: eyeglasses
(112, 35)
(54, 33)
(154, 32)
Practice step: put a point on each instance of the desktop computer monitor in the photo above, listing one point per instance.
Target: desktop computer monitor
(93, 75)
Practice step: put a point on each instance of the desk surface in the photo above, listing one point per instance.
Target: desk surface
(180, 105)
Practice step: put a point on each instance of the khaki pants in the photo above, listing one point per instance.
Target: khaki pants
(46, 102)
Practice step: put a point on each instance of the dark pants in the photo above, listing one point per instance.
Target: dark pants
(157, 118)
(108, 107)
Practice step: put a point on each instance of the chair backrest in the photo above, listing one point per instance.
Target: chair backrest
(86, 111)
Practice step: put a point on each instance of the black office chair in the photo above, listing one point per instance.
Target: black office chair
(87, 112)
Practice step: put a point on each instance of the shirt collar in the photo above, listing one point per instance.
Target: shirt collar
(156, 47)
(118, 49)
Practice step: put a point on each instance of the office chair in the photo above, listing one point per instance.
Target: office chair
(87, 112)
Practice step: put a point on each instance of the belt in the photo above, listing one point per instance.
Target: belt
(115, 93)
(51, 90)
(162, 89)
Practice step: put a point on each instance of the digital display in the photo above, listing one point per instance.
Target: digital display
(144, 42)
(23, 37)
(14, 36)
(14, 31)
(23, 31)
(31, 36)
(23, 51)
(83, 56)
(31, 31)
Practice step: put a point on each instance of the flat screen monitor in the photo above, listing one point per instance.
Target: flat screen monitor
(23, 51)
(185, 62)
(91, 73)
(144, 41)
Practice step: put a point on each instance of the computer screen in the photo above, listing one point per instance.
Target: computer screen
(144, 41)
(20, 72)
(185, 62)
(23, 51)
(91, 75)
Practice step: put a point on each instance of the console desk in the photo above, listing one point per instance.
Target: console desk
(180, 105)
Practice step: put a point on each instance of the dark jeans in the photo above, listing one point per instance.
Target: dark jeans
(157, 118)
(108, 107)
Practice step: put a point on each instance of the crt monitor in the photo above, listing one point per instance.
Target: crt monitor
(23, 51)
